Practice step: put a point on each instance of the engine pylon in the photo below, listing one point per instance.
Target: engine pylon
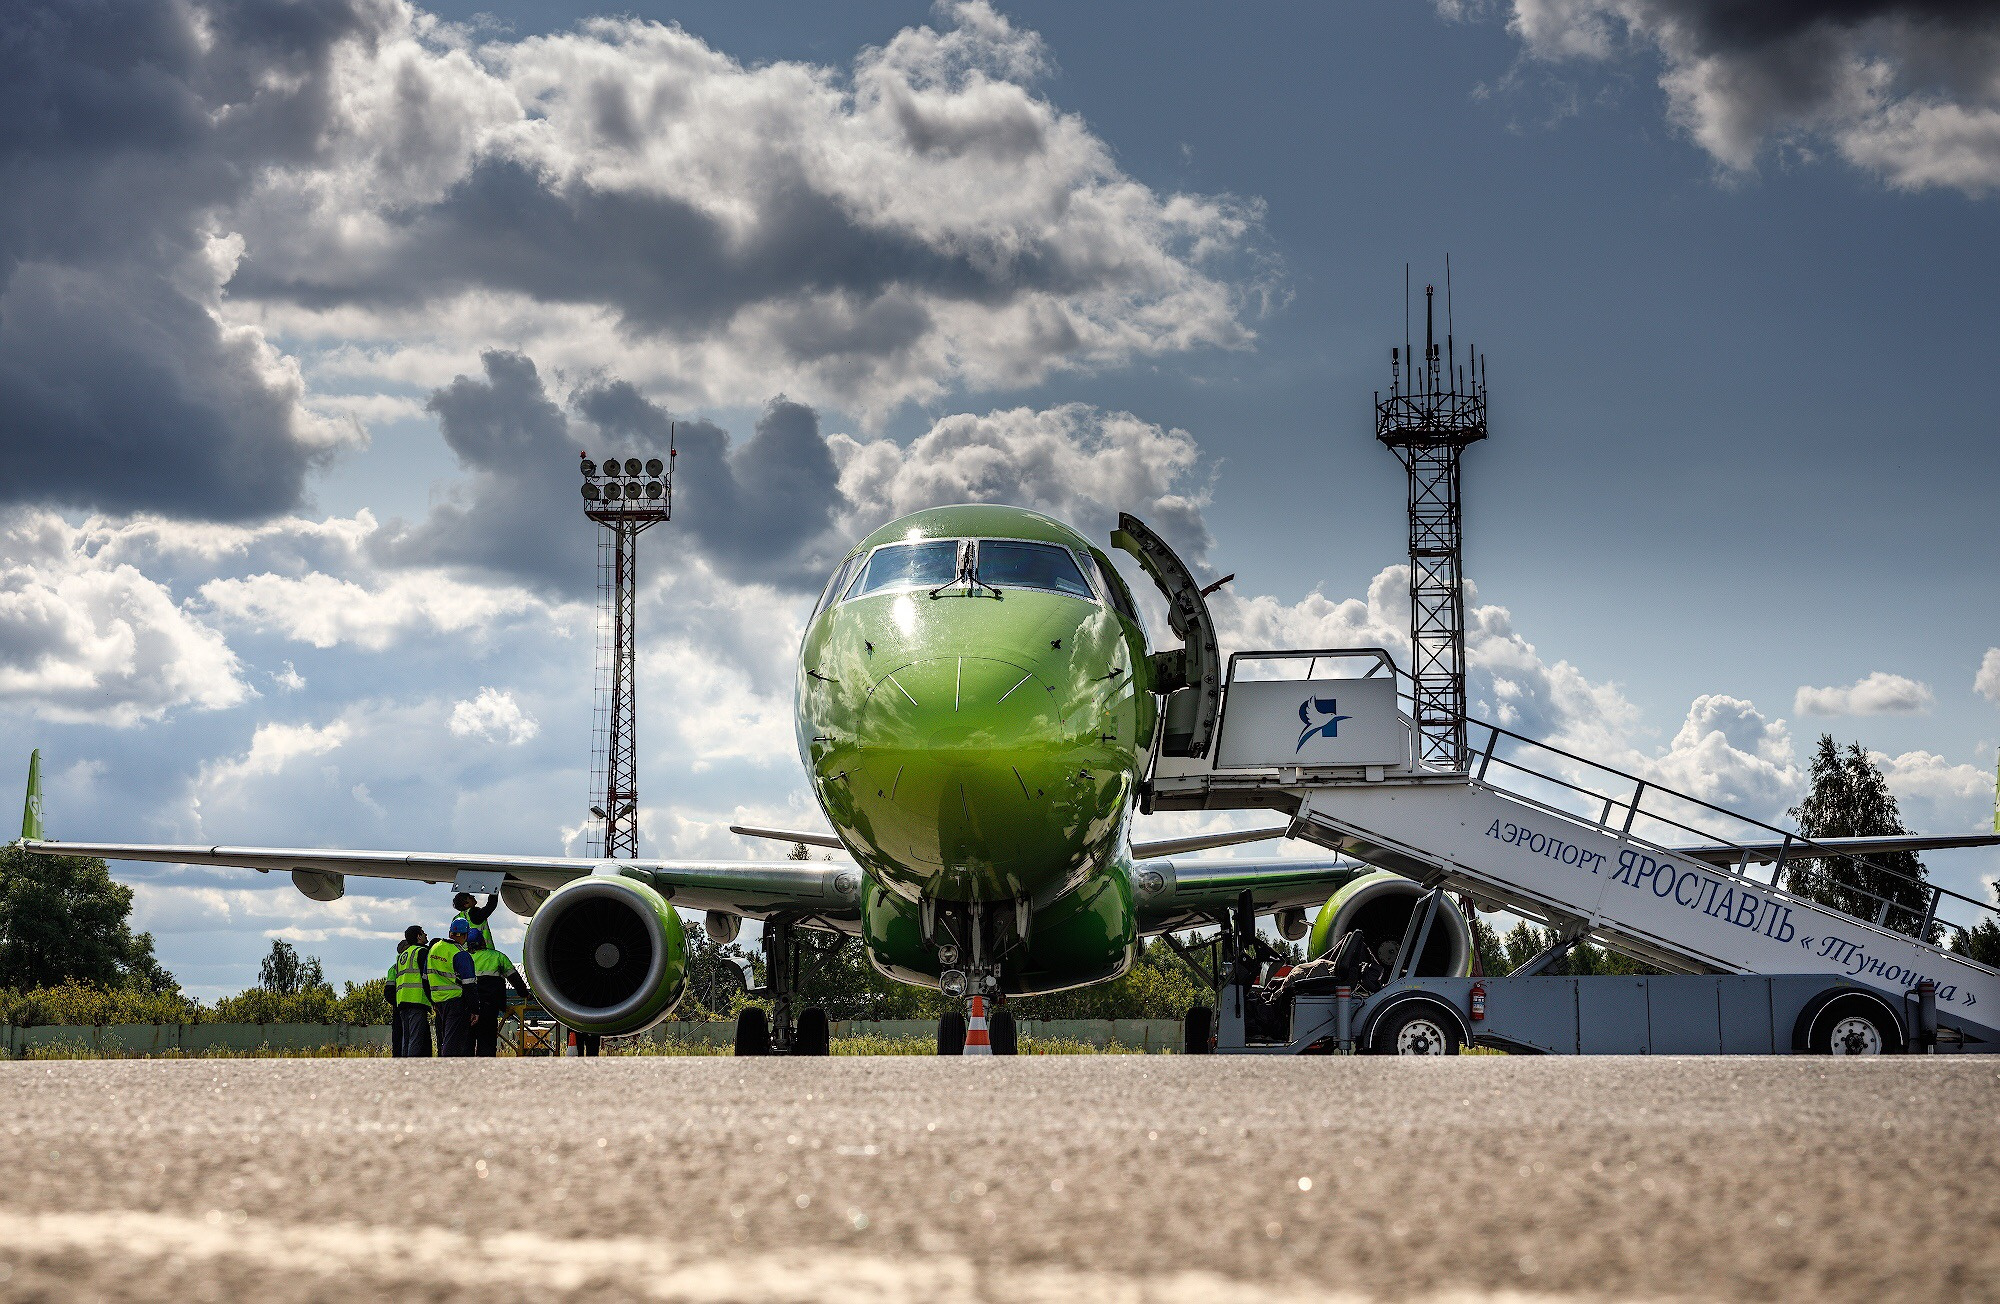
(976, 1040)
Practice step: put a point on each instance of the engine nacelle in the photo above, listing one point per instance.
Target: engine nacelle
(606, 955)
(1380, 905)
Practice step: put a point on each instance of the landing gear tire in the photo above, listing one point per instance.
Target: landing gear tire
(1852, 1025)
(753, 1032)
(1198, 1031)
(814, 1035)
(1417, 1029)
(951, 1034)
(1003, 1033)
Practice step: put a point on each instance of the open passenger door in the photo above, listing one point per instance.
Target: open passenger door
(1191, 675)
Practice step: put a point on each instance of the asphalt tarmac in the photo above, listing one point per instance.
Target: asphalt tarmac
(887, 1180)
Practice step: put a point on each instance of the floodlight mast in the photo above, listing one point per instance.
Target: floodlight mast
(1430, 416)
(626, 497)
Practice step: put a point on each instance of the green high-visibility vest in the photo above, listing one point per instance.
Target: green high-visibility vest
(490, 960)
(407, 976)
(444, 980)
(483, 932)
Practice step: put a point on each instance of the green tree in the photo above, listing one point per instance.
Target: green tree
(1525, 942)
(284, 972)
(1849, 798)
(1980, 942)
(64, 920)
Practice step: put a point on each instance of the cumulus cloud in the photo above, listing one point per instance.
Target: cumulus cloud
(87, 639)
(494, 716)
(272, 748)
(624, 196)
(1928, 775)
(1986, 682)
(1879, 693)
(1908, 90)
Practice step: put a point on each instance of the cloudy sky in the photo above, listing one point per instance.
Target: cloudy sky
(306, 308)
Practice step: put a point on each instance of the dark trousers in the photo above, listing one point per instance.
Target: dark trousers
(490, 996)
(412, 1039)
(454, 1023)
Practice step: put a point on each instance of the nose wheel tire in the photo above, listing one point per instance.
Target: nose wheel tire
(1004, 1033)
(951, 1034)
(814, 1035)
(753, 1032)
(1419, 1029)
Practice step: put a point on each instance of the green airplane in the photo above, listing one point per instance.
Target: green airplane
(978, 708)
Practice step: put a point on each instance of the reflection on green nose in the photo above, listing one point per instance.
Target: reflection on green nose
(962, 777)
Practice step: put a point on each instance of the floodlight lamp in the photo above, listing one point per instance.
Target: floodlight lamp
(589, 467)
(654, 489)
(590, 492)
(632, 466)
(654, 466)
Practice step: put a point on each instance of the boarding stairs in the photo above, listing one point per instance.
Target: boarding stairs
(1591, 851)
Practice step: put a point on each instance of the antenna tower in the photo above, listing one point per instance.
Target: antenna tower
(1434, 409)
(626, 498)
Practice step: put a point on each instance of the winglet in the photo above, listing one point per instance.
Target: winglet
(31, 809)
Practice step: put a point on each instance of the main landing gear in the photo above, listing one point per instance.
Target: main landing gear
(787, 1029)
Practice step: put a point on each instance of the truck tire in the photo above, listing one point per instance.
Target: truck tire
(753, 1032)
(1415, 1028)
(1198, 1031)
(951, 1033)
(1850, 1023)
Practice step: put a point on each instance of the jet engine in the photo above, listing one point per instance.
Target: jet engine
(1380, 905)
(606, 955)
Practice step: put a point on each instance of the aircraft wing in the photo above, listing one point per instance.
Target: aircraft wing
(1176, 894)
(1764, 853)
(755, 888)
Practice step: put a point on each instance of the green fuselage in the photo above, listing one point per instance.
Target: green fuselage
(978, 750)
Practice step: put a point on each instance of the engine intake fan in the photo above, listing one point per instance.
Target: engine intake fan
(606, 955)
(1380, 905)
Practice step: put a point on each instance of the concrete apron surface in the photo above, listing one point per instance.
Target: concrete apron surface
(1070, 1178)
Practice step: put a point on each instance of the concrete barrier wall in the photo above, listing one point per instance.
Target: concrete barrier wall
(1153, 1035)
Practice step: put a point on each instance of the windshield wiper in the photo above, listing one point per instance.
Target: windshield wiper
(970, 577)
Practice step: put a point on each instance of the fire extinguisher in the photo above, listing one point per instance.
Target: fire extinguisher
(1478, 1002)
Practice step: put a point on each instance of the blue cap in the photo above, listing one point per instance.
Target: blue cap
(459, 926)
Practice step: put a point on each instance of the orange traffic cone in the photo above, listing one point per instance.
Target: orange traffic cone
(976, 1042)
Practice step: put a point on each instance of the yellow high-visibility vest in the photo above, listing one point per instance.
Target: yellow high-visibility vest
(408, 973)
(444, 980)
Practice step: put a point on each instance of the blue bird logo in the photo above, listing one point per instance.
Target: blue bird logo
(1328, 726)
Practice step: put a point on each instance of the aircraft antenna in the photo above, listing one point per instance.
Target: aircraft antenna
(626, 497)
(1427, 427)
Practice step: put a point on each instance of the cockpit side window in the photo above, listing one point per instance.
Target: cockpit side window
(1121, 598)
(908, 566)
(1014, 563)
(841, 574)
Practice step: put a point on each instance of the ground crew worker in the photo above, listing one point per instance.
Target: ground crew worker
(495, 971)
(475, 916)
(410, 1034)
(448, 967)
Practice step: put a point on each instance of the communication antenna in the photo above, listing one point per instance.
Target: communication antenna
(626, 497)
(1428, 427)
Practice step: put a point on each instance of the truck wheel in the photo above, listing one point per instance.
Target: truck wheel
(1853, 1024)
(1198, 1031)
(1418, 1028)
(753, 1032)
(951, 1033)
(814, 1035)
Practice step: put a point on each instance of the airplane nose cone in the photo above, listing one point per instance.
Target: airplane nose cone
(960, 772)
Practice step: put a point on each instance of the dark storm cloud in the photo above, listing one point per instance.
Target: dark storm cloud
(1909, 91)
(122, 128)
(754, 512)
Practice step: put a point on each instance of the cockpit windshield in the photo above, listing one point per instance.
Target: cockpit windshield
(1012, 563)
(908, 566)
